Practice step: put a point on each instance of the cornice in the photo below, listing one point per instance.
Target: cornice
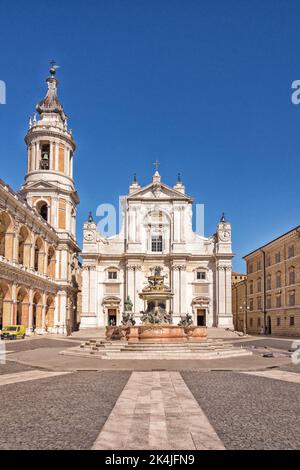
(35, 132)
(26, 277)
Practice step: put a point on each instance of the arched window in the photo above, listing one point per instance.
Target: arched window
(45, 157)
(42, 208)
(22, 307)
(36, 311)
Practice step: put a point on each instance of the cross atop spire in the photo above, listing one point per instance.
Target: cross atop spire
(156, 163)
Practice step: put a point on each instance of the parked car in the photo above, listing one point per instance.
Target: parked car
(13, 332)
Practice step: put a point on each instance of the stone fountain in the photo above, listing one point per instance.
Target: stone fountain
(156, 322)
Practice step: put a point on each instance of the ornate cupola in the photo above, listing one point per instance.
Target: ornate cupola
(49, 185)
(50, 105)
(179, 185)
(134, 185)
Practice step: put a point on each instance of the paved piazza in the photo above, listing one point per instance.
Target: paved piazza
(54, 401)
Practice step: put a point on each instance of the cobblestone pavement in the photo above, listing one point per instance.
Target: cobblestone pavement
(37, 343)
(249, 412)
(13, 367)
(267, 342)
(291, 368)
(237, 410)
(64, 412)
(69, 411)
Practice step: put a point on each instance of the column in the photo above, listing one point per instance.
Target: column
(183, 289)
(34, 157)
(224, 314)
(16, 244)
(43, 312)
(71, 165)
(56, 312)
(56, 157)
(63, 312)
(176, 224)
(67, 154)
(45, 258)
(32, 251)
(14, 303)
(37, 156)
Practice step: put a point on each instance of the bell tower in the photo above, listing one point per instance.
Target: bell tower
(49, 188)
(49, 185)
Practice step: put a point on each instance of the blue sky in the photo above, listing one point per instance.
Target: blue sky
(203, 86)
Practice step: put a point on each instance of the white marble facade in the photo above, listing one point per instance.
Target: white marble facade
(157, 231)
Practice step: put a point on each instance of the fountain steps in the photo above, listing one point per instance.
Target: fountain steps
(176, 355)
(144, 350)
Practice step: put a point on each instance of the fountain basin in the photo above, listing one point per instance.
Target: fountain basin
(162, 333)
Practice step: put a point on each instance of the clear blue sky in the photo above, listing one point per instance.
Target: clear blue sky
(204, 86)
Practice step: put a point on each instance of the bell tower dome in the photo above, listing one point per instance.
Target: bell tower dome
(49, 184)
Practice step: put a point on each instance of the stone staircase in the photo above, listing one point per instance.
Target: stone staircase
(116, 350)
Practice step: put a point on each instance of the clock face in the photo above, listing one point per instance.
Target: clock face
(224, 236)
(89, 236)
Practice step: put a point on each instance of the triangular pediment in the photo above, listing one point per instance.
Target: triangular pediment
(40, 185)
(157, 191)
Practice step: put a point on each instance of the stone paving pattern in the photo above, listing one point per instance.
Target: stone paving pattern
(156, 410)
(37, 343)
(249, 412)
(64, 412)
(241, 411)
(13, 367)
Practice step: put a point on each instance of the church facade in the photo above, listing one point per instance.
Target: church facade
(39, 268)
(157, 234)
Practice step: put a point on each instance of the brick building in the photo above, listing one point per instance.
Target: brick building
(273, 286)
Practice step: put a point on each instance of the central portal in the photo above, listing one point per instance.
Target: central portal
(112, 316)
